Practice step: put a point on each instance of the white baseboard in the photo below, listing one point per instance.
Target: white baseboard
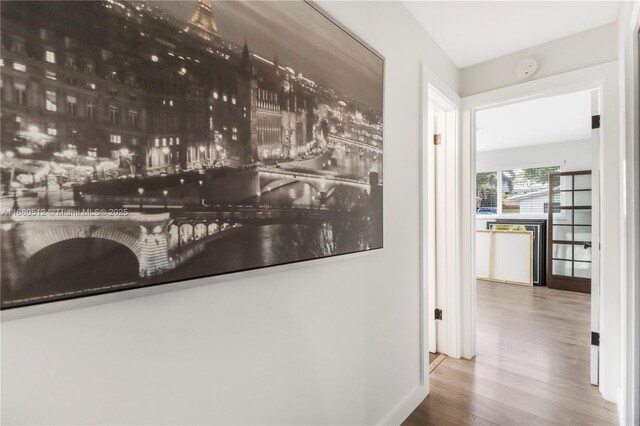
(401, 411)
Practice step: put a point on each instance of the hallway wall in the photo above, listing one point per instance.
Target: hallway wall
(325, 342)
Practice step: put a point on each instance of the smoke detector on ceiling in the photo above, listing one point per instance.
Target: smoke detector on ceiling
(526, 68)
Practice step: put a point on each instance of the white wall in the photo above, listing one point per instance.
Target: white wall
(592, 47)
(330, 342)
(570, 155)
(628, 25)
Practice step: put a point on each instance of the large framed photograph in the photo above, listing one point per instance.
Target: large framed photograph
(151, 142)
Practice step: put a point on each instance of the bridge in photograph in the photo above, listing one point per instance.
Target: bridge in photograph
(159, 241)
(346, 141)
(271, 178)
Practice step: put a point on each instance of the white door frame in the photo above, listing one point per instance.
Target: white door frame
(602, 78)
(449, 338)
(630, 124)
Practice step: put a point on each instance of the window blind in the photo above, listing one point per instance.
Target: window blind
(526, 190)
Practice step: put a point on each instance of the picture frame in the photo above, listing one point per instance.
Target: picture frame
(165, 152)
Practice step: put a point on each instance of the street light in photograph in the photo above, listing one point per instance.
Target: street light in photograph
(46, 191)
(181, 187)
(11, 155)
(164, 193)
(203, 156)
(201, 191)
(15, 199)
(140, 191)
(166, 152)
(125, 157)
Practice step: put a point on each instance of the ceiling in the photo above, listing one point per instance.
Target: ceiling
(535, 122)
(471, 32)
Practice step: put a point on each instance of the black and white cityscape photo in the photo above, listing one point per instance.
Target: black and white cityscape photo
(151, 142)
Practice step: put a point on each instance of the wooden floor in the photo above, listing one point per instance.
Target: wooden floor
(531, 367)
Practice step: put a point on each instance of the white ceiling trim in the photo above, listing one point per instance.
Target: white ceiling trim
(471, 32)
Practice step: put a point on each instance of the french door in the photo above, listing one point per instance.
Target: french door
(569, 265)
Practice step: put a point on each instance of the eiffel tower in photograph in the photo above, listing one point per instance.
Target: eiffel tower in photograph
(203, 23)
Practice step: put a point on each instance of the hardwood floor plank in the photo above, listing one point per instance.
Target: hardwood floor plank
(531, 367)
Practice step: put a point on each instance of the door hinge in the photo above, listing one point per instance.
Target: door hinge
(595, 338)
(595, 121)
(437, 138)
(438, 314)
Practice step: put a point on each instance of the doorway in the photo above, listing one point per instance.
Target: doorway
(439, 242)
(546, 183)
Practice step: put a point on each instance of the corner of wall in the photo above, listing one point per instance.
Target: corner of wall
(401, 411)
(574, 52)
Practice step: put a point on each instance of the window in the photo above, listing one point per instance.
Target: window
(52, 130)
(487, 193)
(51, 75)
(20, 93)
(70, 62)
(133, 118)
(89, 68)
(50, 56)
(215, 94)
(19, 66)
(113, 114)
(514, 191)
(51, 101)
(525, 190)
(71, 105)
(70, 43)
(17, 46)
(115, 139)
(92, 152)
(177, 141)
(91, 110)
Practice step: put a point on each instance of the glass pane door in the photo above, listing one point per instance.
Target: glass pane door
(570, 231)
